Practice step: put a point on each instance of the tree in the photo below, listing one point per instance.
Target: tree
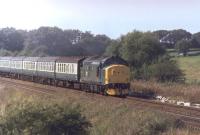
(113, 49)
(140, 48)
(183, 46)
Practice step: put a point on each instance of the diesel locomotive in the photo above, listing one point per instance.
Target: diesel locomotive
(98, 74)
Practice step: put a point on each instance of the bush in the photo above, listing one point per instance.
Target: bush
(165, 71)
(43, 119)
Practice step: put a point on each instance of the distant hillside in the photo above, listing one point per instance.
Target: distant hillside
(196, 36)
(170, 38)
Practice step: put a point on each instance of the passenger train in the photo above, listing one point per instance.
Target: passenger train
(98, 74)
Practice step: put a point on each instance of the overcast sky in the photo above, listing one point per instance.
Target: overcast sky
(110, 17)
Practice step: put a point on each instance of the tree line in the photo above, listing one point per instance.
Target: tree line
(145, 51)
(51, 41)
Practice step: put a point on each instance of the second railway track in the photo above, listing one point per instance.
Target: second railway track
(189, 116)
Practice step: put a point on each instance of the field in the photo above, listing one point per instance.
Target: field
(176, 91)
(190, 66)
(108, 117)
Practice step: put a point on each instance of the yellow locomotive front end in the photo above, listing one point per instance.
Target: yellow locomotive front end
(117, 80)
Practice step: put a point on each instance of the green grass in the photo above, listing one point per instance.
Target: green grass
(191, 67)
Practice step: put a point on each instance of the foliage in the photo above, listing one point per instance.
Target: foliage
(165, 71)
(170, 38)
(52, 41)
(183, 46)
(113, 49)
(42, 119)
(196, 38)
(11, 40)
(139, 48)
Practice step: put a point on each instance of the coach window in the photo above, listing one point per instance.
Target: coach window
(72, 68)
(65, 68)
(47, 66)
(41, 66)
(61, 67)
(26, 65)
(33, 65)
(38, 66)
(44, 65)
(51, 67)
(16, 64)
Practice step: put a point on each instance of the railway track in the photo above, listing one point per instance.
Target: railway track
(189, 116)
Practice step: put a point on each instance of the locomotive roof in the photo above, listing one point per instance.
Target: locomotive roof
(105, 60)
(96, 59)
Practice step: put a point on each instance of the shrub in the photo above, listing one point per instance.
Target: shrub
(42, 119)
(165, 71)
